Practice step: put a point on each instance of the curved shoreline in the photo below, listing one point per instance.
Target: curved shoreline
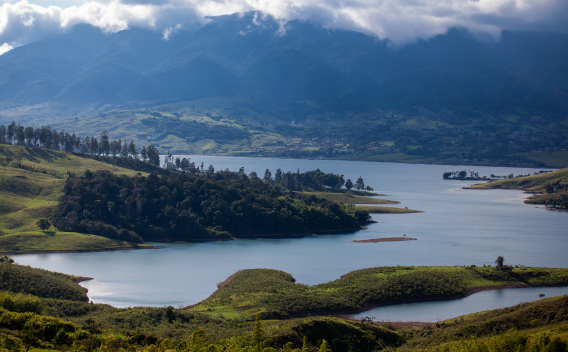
(81, 250)
(340, 313)
(468, 292)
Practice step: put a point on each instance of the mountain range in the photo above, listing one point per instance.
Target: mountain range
(291, 67)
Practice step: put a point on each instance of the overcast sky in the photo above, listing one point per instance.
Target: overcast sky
(399, 21)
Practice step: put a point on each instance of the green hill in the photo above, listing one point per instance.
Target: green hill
(39, 282)
(276, 294)
(31, 183)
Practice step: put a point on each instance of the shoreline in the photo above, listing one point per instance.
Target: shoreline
(468, 292)
(342, 313)
(81, 251)
(385, 239)
(277, 235)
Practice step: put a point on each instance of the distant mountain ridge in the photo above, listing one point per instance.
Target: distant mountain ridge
(283, 68)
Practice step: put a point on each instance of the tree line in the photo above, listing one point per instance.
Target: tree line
(48, 138)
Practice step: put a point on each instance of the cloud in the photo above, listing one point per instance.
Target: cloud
(399, 21)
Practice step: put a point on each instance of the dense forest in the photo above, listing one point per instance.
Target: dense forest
(186, 207)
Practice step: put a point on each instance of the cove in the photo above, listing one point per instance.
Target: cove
(457, 227)
(443, 310)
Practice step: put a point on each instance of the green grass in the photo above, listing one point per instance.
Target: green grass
(276, 294)
(349, 197)
(31, 183)
(376, 209)
(39, 282)
(543, 316)
(535, 184)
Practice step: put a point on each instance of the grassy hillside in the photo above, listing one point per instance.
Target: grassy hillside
(39, 282)
(62, 324)
(276, 294)
(551, 187)
(520, 326)
(31, 182)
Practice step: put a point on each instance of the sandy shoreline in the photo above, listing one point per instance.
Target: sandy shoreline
(385, 239)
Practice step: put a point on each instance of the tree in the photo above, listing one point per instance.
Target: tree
(153, 155)
(132, 150)
(360, 184)
(324, 346)
(105, 145)
(499, 261)
(257, 333)
(348, 184)
(144, 153)
(6, 259)
(267, 175)
(29, 134)
(369, 189)
(43, 224)
(278, 175)
(124, 153)
(305, 347)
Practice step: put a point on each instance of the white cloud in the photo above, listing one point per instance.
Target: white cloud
(399, 21)
(5, 48)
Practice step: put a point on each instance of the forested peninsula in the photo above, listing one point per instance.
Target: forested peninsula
(187, 207)
(119, 193)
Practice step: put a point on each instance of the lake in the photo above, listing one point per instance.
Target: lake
(457, 227)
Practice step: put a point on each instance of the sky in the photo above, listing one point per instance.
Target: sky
(398, 21)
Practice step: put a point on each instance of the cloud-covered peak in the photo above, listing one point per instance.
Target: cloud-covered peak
(399, 21)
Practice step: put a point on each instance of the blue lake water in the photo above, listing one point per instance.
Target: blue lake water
(457, 227)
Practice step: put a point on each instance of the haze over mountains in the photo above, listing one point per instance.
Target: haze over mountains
(299, 66)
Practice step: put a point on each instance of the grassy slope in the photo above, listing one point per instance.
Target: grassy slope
(534, 183)
(544, 316)
(350, 197)
(28, 194)
(276, 294)
(39, 282)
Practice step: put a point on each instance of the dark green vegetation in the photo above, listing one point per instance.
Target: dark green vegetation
(62, 324)
(186, 207)
(123, 207)
(39, 282)
(550, 188)
(276, 294)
